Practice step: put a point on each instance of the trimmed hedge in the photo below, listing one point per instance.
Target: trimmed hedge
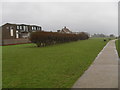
(50, 38)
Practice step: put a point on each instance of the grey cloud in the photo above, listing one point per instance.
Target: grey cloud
(100, 17)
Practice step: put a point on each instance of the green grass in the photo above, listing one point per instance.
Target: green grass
(117, 46)
(58, 66)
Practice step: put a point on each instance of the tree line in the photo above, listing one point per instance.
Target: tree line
(41, 38)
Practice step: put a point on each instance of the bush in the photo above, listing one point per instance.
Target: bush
(50, 38)
(105, 40)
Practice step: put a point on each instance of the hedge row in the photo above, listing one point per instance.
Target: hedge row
(50, 38)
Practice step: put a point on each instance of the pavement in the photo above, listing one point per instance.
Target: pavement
(103, 72)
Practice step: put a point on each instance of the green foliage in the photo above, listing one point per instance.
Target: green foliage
(58, 66)
(50, 38)
(118, 46)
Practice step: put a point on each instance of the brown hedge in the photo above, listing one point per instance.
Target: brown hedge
(50, 38)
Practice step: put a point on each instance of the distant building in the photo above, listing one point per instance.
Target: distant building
(17, 33)
(64, 30)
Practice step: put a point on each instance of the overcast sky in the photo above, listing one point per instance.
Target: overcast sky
(92, 17)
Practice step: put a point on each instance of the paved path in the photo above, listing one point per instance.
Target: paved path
(103, 73)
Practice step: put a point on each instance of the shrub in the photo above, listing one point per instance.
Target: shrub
(50, 38)
(105, 40)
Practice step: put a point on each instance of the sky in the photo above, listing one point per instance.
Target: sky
(91, 17)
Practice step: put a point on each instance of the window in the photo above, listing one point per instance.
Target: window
(20, 27)
(7, 27)
(17, 27)
(24, 28)
(39, 28)
(17, 34)
(32, 28)
(11, 32)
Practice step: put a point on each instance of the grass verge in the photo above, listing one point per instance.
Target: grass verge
(117, 46)
(58, 66)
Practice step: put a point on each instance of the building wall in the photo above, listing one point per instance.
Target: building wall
(14, 41)
(6, 31)
(22, 31)
(21, 28)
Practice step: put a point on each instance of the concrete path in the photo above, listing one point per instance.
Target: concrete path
(103, 73)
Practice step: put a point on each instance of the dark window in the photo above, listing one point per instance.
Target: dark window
(26, 28)
(39, 28)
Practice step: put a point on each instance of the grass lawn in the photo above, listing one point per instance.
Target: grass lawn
(117, 46)
(58, 66)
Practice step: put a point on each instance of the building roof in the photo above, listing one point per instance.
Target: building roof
(19, 24)
(66, 30)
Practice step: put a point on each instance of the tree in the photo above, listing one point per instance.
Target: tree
(112, 35)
